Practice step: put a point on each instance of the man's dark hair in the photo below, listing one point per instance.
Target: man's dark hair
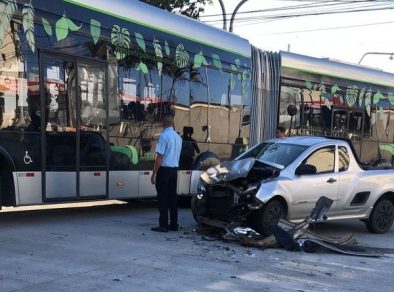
(168, 121)
(281, 129)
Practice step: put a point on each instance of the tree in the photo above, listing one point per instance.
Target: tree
(190, 8)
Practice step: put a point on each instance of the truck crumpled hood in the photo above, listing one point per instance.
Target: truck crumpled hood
(228, 171)
(252, 168)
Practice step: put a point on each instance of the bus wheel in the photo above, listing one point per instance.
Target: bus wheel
(205, 160)
(1, 190)
(381, 218)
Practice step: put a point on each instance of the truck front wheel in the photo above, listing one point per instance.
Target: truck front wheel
(381, 218)
(195, 206)
(268, 217)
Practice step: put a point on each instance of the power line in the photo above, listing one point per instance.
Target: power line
(367, 6)
(284, 16)
(265, 10)
(321, 4)
(328, 28)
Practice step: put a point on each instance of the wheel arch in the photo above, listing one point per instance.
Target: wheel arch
(281, 200)
(387, 195)
(5, 155)
(201, 157)
(7, 189)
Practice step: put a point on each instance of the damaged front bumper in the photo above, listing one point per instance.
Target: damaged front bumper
(225, 202)
(227, 192)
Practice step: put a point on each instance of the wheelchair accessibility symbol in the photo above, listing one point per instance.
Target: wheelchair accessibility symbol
(27, 159)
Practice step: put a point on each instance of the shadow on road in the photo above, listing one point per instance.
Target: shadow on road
(82, 210)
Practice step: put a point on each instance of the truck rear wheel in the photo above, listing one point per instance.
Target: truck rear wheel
(381, 218)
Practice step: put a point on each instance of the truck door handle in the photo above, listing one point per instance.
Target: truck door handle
(331, 180)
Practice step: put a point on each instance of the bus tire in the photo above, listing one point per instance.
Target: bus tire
(1, 190)
(7, 191)
(203, 157)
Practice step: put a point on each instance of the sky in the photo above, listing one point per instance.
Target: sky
(340, 36)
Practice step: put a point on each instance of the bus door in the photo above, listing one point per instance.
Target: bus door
(74, 132)
(92, 129)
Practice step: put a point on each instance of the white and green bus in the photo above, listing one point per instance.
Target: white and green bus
(84, 85)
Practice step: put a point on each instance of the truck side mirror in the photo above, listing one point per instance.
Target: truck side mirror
(305, 169)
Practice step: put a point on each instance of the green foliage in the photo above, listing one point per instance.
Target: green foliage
(391, 98)
(167, 48)
(47, 26)
(388, 148)
(360, 97)
(217, 62)
(232, 82)
(377, 97)
(28, 25)
(159, 55)
(351, 95)
(335, 89)
(368, 96)
(246, 76)
(181, 56)
(7, 10)
(142, 66)
(95, 30)
(140, 41)
(189, 8)
(199, 59)
(120, 38)
(234, 69)
(309, 85)
(62, 27)
(72, 26)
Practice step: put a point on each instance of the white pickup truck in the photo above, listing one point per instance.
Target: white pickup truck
(285, 177)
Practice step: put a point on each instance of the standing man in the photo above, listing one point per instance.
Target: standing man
(164, 176)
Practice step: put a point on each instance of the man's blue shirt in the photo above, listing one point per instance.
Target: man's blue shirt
(169, 145)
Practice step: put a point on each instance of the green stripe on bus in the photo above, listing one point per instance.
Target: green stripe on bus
(336, 76)
(153, 27)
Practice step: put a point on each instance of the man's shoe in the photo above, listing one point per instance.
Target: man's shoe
(174, 228)
(159, 229)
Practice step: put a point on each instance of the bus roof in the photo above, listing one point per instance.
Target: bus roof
(185, 27)
(336, 69)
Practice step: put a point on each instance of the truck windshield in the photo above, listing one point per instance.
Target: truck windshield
(278, 153)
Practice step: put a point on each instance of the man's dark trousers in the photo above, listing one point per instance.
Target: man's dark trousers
(166, 185)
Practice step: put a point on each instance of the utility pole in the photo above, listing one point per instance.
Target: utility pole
(232, 16)
(224, 14)
(235, 12)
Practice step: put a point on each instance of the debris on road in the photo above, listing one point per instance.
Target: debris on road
(298, 237)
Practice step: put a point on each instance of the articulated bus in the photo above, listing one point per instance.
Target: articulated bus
(84, 86)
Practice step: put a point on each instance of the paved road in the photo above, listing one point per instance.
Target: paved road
(111, 248)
